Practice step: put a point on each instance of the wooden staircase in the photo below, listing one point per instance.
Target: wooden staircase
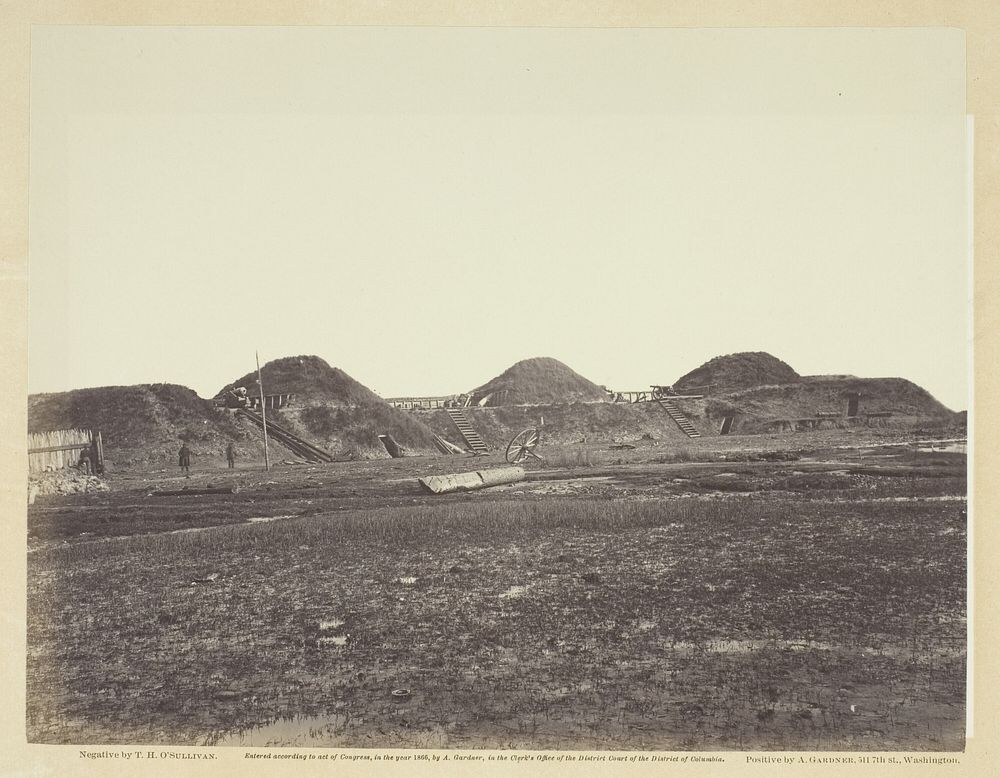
(679, 418)
(472, 439)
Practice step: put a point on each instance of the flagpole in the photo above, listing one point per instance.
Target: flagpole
(263, 413)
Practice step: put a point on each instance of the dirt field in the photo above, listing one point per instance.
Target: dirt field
(786, 592)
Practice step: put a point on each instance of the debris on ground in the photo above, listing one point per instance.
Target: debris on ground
(210, 578)
(67, 481)
(186, 492)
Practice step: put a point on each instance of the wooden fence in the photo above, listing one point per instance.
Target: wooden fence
(59, 448)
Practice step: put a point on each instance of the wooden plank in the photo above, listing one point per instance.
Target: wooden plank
(451, 447)
(69, 447)
(194, 492)
(263, 414)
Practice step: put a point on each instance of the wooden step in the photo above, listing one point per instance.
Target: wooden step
(682, 421)
(469, 434)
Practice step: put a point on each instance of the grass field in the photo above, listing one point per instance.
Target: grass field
(808, 604)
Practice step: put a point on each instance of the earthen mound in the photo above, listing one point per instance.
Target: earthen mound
(332, 410)
(310, 379)
(734, 372)
(535, 382)
(823, 395)
(139, 424)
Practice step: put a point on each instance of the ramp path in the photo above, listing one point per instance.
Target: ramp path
(289, 440)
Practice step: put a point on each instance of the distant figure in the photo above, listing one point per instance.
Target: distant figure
(184, 458)
(84, 462)
(231, 456)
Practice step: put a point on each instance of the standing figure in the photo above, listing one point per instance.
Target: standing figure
(231, 456)
(84, 463)
(184, 458)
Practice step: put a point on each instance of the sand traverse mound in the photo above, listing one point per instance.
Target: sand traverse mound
(884, 404)
(750, 393)
(738, 371)
(141, 424)
(896, 398)
(569, 423)
(309, 378)
(763, 394)
(332, 410)
(537, 381)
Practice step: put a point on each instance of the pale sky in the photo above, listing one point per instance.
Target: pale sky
(423, 207)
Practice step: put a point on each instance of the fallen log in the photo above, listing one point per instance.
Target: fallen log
(467, 482)
(501, 475)
(194, 492)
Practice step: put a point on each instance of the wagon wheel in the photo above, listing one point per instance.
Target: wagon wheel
(522, 446)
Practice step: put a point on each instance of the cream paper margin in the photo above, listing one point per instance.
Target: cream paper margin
(979, 19)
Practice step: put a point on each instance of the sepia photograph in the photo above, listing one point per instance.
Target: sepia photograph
(499, 389)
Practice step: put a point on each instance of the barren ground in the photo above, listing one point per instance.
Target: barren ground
(793, 592)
